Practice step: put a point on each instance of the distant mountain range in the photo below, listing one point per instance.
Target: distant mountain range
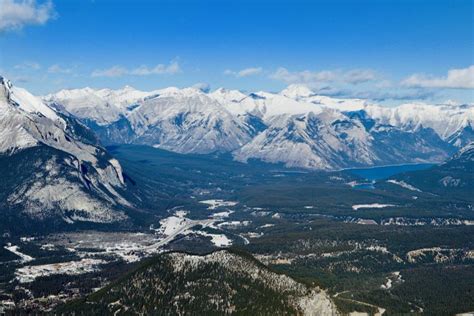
(295, 127)
(52, 167)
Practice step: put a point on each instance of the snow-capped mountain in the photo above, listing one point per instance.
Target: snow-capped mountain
(333, 140)
(325, 140)
(52, 166)
(188, 121)
(296, 126)
(453, 123)
(103, 106)
(302, 93)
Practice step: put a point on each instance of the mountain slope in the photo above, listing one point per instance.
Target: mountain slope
(453, 123)
(188, 121)
(455, 177)
(222, 282)
(52, 167)
(103, 106)
(334, 140)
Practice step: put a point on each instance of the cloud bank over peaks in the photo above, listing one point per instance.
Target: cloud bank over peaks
(118, 71)
(313, 78)
(455, 79)
(246, 72)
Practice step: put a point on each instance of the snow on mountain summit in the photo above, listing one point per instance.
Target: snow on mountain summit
(297, 91)
(24, 100)
(103, 106)
(190, 120)
(444, 119)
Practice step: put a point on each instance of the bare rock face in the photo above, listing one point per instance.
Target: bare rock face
(51, 165)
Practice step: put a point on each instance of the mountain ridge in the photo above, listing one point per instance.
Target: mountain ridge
(192, 121)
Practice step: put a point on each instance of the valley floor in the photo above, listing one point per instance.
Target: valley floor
(388, 249)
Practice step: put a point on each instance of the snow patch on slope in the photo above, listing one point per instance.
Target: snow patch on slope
(373, 205)
(405, 185)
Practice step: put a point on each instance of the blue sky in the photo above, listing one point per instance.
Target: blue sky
(390, 51)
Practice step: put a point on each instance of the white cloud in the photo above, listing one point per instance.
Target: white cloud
(384, 84)
(28, 65)
(118, 71)
(455, 79)
(115, 71)
(15, 14)
(252, 71)
(356, 76)
(172, 68)
(305, 76)
(396, 94)
(308, 77)
(57, 69)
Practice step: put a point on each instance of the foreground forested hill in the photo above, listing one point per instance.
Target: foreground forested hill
(221, 282)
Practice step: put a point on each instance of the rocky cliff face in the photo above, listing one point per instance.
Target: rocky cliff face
(52, 166)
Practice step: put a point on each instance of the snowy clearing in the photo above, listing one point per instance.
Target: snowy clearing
(405, 185)
(373, 205)
(30, 273)
(267, 226)
(14, 249)
(233, 224)
(214, 204)
(172, 224)
(219, 240)
(222, 214)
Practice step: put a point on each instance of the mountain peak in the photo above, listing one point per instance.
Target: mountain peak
(128, 88)
(226, 94)
(22, 99)
(297, 91)
(6, 87)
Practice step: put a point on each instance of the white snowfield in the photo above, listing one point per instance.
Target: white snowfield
(30, 273)
(373, 205)
(178, 224)
(15, 249)
(214, 204)
(405, 185)
(219, 240)
(222, 214)
(172, 225)
(296, 127)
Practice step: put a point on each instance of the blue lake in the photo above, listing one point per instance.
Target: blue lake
(379, 173)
